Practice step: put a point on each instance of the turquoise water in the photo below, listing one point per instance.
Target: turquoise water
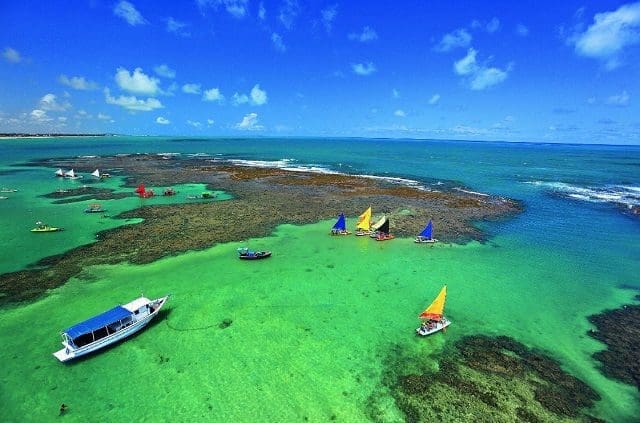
(312, 326)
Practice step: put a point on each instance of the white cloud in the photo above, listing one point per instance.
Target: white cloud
(395, 93)
(103, 116)
(48, 102)
(11, 55)
(479, 76)
(487, 77)
(434, 99)
(128, 12)
(328, 15)
(366, 35)
(399, 113)
(363, 69)
(493, 25)
(467, 64)
(191, 88)
(213, 94)
(288, 13)
(276, 39)
(77, 82)
(165, 71)
(522, 30)
(620, 100)
(132, 102)
(262, 12)
(210, 122)
(258, 96)
(236, 8)
(137, 82)
(177, 27)
(193, 123)
(249, 123)
(40, 116)
(239, 99)
(458, 38)
(162, 121)
(609, 35)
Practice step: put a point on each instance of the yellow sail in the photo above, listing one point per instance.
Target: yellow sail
(364, 221)
(436, 309)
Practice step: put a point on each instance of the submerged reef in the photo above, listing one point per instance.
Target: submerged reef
(485, 379)
(619, 330)
(85, 193)
(262, 199)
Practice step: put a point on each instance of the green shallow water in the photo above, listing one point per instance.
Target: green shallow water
(26, 206)
(312, 328)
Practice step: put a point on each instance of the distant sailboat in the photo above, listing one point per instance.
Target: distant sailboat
(376, 226)
(96, 173)
(364, 223)
(60, 173)
(433, 315)
(383, 231)
(71, 175)
(143, 192)
(340, 228)
(426, 236)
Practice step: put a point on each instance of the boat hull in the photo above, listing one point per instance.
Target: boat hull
(423, 331)
(424, 241)
(36, 230)
(69, 353)
(256, 256)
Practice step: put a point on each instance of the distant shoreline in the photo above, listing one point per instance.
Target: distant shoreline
(55, 135)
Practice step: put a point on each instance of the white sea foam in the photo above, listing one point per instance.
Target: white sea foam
(289, 165)
(466, 191)
(625, 195)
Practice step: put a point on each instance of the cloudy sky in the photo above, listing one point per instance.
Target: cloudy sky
(543, 71)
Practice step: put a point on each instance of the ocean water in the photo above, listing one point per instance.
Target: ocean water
(312, 326)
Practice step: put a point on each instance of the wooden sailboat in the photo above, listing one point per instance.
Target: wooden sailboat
(364, 223)
(383, 231)
(426, 236)
(433, 316)
(60, 173)
(143, 192)
(72, 175)
(340, 228)
(376, 226)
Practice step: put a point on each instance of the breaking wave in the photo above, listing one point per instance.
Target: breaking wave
(620, 195)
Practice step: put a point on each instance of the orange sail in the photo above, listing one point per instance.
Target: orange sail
(436, 309)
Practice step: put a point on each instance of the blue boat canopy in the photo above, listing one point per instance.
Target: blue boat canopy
(427, 232)
(341, 224)
(97, 322)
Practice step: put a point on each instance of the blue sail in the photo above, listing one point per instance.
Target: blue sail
(341, 224)
(427, 232)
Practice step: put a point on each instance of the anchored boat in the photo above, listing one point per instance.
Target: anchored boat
(94, 208)
(246, 254)
(340, 228)
(433, 317)
(426, 236)
(363, 227)
(43, 227)
(382, 233)
(108, 327)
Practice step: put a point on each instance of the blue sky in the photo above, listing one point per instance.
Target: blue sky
(497, 70)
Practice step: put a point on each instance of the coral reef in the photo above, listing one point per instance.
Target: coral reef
(487, 379)
(619, 330)
(262, 199)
